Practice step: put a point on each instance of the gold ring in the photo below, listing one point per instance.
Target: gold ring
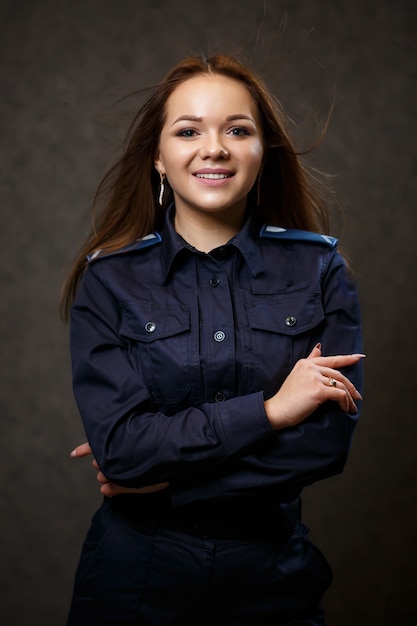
(332, 382)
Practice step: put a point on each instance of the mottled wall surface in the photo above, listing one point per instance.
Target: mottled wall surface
(63, 65)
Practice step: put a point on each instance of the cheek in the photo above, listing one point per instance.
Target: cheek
(254, 158)
(176, 159)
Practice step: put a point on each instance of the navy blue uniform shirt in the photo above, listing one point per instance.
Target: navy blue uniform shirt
(174, 352)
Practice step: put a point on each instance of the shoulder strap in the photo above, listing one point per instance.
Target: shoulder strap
(293, 234)
(145, 242)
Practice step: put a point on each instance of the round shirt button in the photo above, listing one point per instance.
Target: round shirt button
(214, 281)
(219, 397)
(219, 336)
(291, 320)
(150, 327)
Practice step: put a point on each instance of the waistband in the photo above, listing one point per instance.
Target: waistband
(275, 523)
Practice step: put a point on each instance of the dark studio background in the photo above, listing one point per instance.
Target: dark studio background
(63, 65)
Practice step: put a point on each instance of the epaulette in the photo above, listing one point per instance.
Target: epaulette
(145, 242)
(293, 234)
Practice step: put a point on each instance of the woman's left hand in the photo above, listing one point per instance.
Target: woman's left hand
(108, 488)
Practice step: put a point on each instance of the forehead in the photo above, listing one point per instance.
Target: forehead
(205, 94)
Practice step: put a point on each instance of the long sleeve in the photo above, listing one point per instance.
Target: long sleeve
(134, 443)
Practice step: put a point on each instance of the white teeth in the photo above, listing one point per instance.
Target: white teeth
(213, 176)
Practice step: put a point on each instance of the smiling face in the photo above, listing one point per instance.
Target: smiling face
(211, 146)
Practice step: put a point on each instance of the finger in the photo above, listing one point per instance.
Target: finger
(101, 478)
(316, 352)
(81, 451)
(348, 404)
(107, 490)
(338, 392)
(339, 360)
(110, 489)
(95, 464)
(341, 381)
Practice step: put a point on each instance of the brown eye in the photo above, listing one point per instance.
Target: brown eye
(239, 131)
(187, 132)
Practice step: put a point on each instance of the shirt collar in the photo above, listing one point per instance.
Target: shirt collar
(247, 241)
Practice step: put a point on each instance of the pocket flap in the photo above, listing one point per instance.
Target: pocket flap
(289, 315)
(148, 321)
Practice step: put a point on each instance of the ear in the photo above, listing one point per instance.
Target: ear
(159, 166)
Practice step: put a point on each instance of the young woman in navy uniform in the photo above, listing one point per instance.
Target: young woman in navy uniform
(216, 351)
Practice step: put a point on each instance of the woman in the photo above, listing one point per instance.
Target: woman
(199, 325)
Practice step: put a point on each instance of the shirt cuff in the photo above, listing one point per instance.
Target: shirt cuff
(243, 422)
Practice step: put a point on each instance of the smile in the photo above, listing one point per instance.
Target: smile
(213, 176)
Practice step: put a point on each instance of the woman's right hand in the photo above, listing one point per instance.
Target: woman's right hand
(108, 488)
(313, 381)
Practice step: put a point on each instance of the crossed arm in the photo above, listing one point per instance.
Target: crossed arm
(312, 382)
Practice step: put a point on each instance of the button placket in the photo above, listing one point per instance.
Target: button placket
(215, 302)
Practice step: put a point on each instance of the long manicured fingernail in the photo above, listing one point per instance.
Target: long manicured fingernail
(318, 346)
(73, 454)
(361, 356)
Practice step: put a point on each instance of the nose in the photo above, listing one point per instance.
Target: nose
(213, 148)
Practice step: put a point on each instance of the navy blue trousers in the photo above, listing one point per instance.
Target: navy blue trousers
(141, 574)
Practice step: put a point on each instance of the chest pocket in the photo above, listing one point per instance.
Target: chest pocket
(287, 315)
(281, 329)
(160, 347)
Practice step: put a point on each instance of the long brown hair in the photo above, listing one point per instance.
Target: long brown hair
(286, 194)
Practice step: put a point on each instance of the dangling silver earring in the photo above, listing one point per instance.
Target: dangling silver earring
(161, 188)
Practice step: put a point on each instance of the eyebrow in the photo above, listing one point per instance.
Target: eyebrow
(230, 118)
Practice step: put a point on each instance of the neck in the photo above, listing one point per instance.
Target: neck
(208, 231)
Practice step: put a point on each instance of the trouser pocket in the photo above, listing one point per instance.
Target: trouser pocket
(112, 571)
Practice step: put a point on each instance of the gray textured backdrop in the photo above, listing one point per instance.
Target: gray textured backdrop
(63, 65)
